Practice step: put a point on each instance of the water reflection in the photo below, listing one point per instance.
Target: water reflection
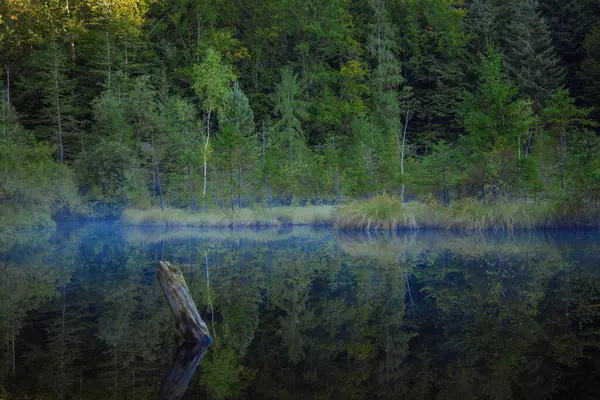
(301, 314)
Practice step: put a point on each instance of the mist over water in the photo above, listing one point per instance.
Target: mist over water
(302, 313)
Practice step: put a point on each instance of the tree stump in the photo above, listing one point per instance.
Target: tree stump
(188, 320)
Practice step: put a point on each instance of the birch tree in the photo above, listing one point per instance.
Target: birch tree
(211, 81)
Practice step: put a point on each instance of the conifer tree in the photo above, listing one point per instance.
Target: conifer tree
(562, 115)
(570, 21)
(482, 26)
(291, 108)
(496, 122)
(237, 139)
(386, 78)
(58, 113)
(530, 57)
(385, 82)
(590, 69)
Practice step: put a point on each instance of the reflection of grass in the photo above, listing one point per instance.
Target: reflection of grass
(245, 217)
(183, 233)
(388, 213)
(391, 248)
(309, 215)
(383, 248)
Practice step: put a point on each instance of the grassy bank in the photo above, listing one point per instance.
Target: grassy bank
(246, 217)
(388, 213)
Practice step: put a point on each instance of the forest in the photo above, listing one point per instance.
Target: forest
(113, 105)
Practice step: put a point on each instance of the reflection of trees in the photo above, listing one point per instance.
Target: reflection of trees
(299, 317)
(25, 286)
(137, 328)
(289, 292)
(22, 289)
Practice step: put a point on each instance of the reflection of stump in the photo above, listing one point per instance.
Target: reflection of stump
(184, 310)
(182, 371)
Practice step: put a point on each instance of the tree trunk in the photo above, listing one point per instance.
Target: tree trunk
(445, 186)
(206, 143)
(231, 182)
(6, 103)
(58, 115)
(175, 290)
(160, 192)
(108, 57)
(153, 181)
(192, 199)
(264, 160)
(215, 186)
(562, 158)
(521, 167)
(71, 41)
(239, 196)
(402, 156)
(7, 85)
(337, 175)
(291, 153)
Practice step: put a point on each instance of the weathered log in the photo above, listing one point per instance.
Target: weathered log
(188, 320)
(176, 382)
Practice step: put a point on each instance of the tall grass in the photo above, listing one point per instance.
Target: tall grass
(472, 215)
(380, 213)
(389, 213)
(245, 217)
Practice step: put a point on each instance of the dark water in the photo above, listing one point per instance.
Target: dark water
(302, 314)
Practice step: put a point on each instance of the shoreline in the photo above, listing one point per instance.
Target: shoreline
(383, 213)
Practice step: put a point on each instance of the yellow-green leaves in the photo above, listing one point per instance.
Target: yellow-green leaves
(212, 80)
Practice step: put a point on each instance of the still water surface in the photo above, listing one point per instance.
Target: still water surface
(302, 313)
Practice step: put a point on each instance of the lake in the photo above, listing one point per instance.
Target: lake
(302, 313)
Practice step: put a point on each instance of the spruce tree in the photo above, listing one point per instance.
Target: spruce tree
(481, 24)
(570, 21)
(386, 78)
(57, 119)
(385, 82)
(237, 140)
(291, 108)
(590, 70)
(496, 121)
(530, 57)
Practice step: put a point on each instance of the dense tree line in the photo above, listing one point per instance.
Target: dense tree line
(227, 104)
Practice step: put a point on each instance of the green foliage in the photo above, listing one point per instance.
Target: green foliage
(497, 124)
(590, 68)
(530, 57)
(33, 187)
(211, 80)
(352, 99)
(112, 173)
